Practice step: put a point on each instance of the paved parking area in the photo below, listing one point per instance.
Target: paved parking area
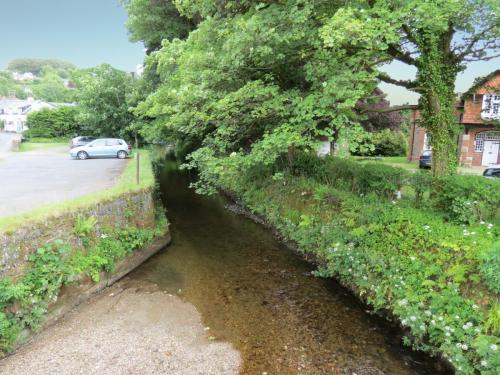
(32, 179)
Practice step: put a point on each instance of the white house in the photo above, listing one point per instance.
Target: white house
(14, 112)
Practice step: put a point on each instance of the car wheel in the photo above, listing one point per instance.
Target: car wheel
(82, 155)
(122, 155)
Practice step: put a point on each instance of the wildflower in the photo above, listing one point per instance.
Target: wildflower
(484, 363)
(104, 236)
(481, 222)
(413, 258)
(422, 327)
(404, 322)
(413, 318)
(428, 312)
(494, 347)
(490, 226)
(447, 334)
(426, 227)
(403, 302)
(475, 307)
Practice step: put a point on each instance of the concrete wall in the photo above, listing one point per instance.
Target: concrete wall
(15, 247)
(133, 209)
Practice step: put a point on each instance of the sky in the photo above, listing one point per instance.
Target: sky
(91, 32)
(84, 32)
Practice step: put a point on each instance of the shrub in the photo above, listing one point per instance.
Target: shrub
(384, 143)
(469, 198)
(489, 267)
(53, 123)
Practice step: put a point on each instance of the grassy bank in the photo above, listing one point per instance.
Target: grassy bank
(126, 183)
(436, 271)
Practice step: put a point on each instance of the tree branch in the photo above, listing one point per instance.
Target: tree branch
(401, 55)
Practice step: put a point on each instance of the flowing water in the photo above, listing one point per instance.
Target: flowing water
(260, 296)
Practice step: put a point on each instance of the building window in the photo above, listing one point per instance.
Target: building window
(485, 136)
(491, 106)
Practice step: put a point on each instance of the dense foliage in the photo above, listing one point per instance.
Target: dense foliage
(24, 301)
(102, 94)
(36, 66)
(53, 123)
(437, 276)
(151, 21)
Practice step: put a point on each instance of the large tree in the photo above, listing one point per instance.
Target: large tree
(151, 21)
(436, 37)
(102, 95)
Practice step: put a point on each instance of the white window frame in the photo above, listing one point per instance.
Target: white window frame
(489, 135)
(491, 106)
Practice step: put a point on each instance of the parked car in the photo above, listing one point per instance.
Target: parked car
(81, 141)
(493, 171)
(425, 160)
(103, 147)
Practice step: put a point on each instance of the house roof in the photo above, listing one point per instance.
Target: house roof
(478, 82)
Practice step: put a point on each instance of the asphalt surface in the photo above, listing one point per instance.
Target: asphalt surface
(6, 142)
(32, 179)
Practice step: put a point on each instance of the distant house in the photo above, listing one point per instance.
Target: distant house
(14, 112)
(478, 111)
(28, 76)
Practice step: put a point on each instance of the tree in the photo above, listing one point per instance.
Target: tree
(151, 21)
(253, 80)
(102, 97)
(61, 122)
(35, 66)
(436, 37)
(50, 87)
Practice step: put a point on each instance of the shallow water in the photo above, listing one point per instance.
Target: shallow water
(260, 296)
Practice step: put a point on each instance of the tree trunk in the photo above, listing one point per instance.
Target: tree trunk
(439, 117)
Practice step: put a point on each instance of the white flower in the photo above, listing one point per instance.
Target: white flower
(413, 318)
(413, 258)
(490, 226)
(447, 334)
(484, 363)
(475, 307)
(481, 222)
(428, 312)
(494, 347)
(404, 321)
(426, 227)
(422, 327)
(433, 322)
(403, 302)
(103, 236)
(233, 154)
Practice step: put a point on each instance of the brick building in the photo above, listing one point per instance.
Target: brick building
(478, 112)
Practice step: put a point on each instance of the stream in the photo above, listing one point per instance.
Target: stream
(258, 295)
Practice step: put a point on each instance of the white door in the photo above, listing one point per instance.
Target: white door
(490, 152)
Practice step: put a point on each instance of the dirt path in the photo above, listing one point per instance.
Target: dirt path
(130, 328)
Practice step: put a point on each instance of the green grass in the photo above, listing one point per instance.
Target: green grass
(394, 161)
(127, 183)
(34, 146)
(47, 140)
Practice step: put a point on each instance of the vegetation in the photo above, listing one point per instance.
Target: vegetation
(24, 302)
(433, 264)
(36, 66)
(258, 79)
(53, 123)
(152, 21)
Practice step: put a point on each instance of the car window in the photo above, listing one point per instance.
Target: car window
(98, 142)
(495, 173)
(113, 142)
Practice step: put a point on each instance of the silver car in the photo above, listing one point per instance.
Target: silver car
(101, 148)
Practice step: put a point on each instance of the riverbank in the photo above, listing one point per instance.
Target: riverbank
(129, 328)
(61, 255)
(433, 276)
